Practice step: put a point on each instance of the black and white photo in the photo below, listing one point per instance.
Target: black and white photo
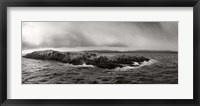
(99, 52)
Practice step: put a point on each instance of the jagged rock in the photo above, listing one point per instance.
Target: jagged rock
(79, 58)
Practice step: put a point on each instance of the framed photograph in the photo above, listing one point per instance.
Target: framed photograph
(120, 52)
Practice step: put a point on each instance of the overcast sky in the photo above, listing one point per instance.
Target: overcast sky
(101, 35)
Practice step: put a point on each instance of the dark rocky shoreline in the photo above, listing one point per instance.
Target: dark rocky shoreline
(79, 58)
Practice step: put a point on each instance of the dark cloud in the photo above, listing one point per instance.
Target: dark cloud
(116, 45)
(74, 39)
(133, 35)
(26, 45)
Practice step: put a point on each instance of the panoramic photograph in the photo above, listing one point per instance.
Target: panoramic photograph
(99, 52)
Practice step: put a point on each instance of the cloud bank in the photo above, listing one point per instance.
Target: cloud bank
(129, 35)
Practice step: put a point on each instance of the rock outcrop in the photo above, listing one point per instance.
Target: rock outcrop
(79, 58)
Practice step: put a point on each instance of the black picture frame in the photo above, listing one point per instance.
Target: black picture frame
(99, 3)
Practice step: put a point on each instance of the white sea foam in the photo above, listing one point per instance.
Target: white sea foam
(124, 68)
(85, 65)
(145, 63)
(151, 61)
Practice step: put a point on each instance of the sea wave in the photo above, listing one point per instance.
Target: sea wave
(145, 63)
